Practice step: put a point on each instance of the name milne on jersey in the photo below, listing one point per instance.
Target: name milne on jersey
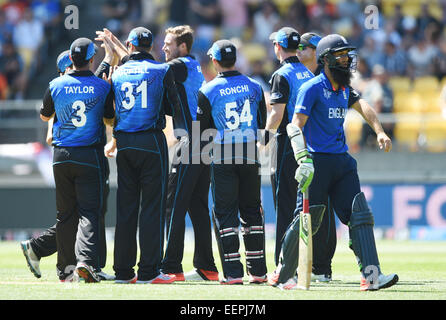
(232, 90)
(79, 89)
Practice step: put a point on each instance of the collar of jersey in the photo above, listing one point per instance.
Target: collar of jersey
(293, 59)
(140, 56)
(327, 83)
(77, 73)
(225, 74)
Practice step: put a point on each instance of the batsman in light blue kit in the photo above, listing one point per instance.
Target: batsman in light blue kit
(318, 140)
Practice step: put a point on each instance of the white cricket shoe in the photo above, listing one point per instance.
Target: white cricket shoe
(382, 283)
(105, 276)
(31, 259)
(320, 277)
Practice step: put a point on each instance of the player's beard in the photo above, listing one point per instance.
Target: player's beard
(173, 54)
(341, 76)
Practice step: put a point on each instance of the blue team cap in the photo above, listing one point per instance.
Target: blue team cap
(63, 61)
(287, 37)
(140, 37)
(310, 39)
(82, 49)
(223, 50)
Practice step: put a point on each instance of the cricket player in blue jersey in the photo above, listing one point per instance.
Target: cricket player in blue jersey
(284, 85)
(324, 241)
(318, 141)
(144, 92)
(188, 187)
(45, 244)
(80, 103)
(234, 105)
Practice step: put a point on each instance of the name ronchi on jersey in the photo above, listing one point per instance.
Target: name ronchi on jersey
(337, 113)
(233, 90)
(79, 89)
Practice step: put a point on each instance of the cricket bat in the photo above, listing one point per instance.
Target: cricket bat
(305, 246)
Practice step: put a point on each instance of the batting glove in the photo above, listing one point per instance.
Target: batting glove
(304, 174)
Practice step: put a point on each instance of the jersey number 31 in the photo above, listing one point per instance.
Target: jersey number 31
(231, 112)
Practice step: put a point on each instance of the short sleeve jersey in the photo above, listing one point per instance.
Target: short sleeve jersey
(235, 104)
(79, 104)
(138, 88)
(326, 109)
(285, 82)
(193, 83)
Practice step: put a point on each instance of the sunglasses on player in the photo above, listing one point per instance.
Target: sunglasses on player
(302, 47)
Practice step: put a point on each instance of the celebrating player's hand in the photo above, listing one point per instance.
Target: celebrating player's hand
(110, 148)
(304, 174)
(384, 141)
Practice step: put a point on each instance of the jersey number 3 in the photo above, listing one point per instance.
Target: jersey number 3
(81, 118)
(231, 112)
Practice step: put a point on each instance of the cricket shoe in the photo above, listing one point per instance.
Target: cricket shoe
(200, 275)
(257, 280)
(178, 276)
(290, 284)
(87, 273)
(273, 278)
(31, 258)
(230, 280)
(105, 276)
(162, 278)
(382, 283)
(128, 281)
(72, 277)
(320, 277)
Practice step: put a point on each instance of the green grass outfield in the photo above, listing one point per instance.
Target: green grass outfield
(421, 267)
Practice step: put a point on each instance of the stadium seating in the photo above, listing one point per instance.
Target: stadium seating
(407, 102)
(407, 132)
(426, 84)
(435, 135)
(400, 83)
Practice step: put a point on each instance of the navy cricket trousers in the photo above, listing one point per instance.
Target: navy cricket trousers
(336, 180)
(142, 165)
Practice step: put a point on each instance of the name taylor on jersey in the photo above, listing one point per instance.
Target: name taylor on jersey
(78, 89)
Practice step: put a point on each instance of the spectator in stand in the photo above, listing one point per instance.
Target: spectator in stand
(177, 14)
(205, 19)
(370, 54)
(395, 61)
(380, 96)
(350, 9)
(6, 30)
(398, 18)
(439, 63)
(357, 36)
(13, 10)
(424, 20)
(265, 22)
(28, 37)
(321, 12)
(117, 11)
(49, 12)
(420, 58)
(234, 17)
(11, 66)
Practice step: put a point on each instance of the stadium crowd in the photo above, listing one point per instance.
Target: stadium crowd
(407, 45)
